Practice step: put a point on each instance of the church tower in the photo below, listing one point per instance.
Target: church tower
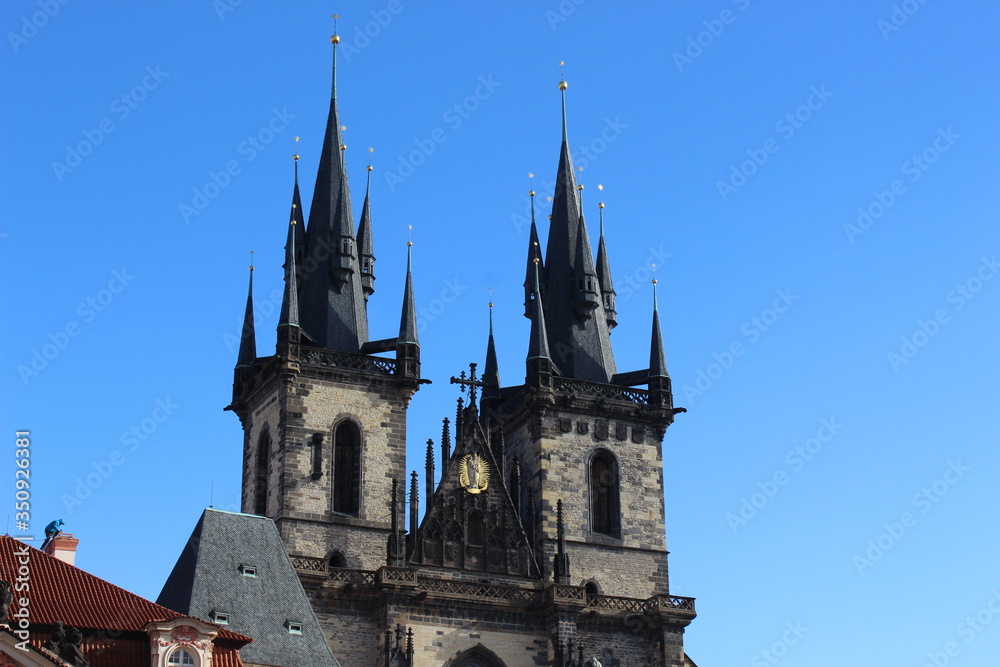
(324, 418)
(542, 540)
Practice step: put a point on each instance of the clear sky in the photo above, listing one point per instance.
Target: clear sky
(817, 182)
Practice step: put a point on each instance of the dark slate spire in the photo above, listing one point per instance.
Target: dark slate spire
(491, 374)
(587, 297)
(300, 224)
(538, 343)
(657, 362)
(333, 307)
(365, 246)
(529, 272)
(248, 339)
(583, 341)
(290, 300)
(604, 275)
(408, 319)
(294, 245)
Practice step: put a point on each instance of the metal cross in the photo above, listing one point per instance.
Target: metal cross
(472, 382)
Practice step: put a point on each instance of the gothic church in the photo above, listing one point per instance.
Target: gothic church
(542, 540)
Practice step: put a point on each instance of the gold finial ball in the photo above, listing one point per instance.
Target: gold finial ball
(550, 218)
(580, 187)
(369, 167)
(343, 147)
(601, 205)
(655, 281)
(296, 157)
(531, 193)
(563, 85)
(335, 39)
(537, 260)
(409, 244)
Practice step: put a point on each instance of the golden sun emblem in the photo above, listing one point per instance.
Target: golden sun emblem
(474, 473)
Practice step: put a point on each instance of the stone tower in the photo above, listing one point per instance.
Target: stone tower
(542, 541)
(324, 418)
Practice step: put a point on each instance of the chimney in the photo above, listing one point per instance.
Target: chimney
(63, 547)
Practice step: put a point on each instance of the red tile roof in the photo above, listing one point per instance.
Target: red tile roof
(61, 592)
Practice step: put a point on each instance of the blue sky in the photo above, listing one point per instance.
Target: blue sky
(816, 182)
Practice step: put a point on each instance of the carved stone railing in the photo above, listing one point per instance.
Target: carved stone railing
(395, 575)
(468, 589)
(632, 605)
(309, 565)
(356, 577)
(673, 602)
(599, 390)
(562, 594)
(354, 362)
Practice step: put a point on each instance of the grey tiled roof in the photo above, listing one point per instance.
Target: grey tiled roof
(207, 579)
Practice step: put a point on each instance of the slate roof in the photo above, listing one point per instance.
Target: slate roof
(207, 578)
(62, 592)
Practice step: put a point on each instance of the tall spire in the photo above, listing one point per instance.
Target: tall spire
(290, 299)
(657, 362)
(366, 252)
(248, 339)
(583, 340)
(333, 306)
(491, 373)
(408, 319)
(529, 272)
(538, 343)
(587, 297)
(604, 274)
(293, 257)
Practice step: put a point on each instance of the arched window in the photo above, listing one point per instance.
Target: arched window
(263, 459)
(591, 588)
(337, 560)
(182, 658)
(604, 507)
(346, 468)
